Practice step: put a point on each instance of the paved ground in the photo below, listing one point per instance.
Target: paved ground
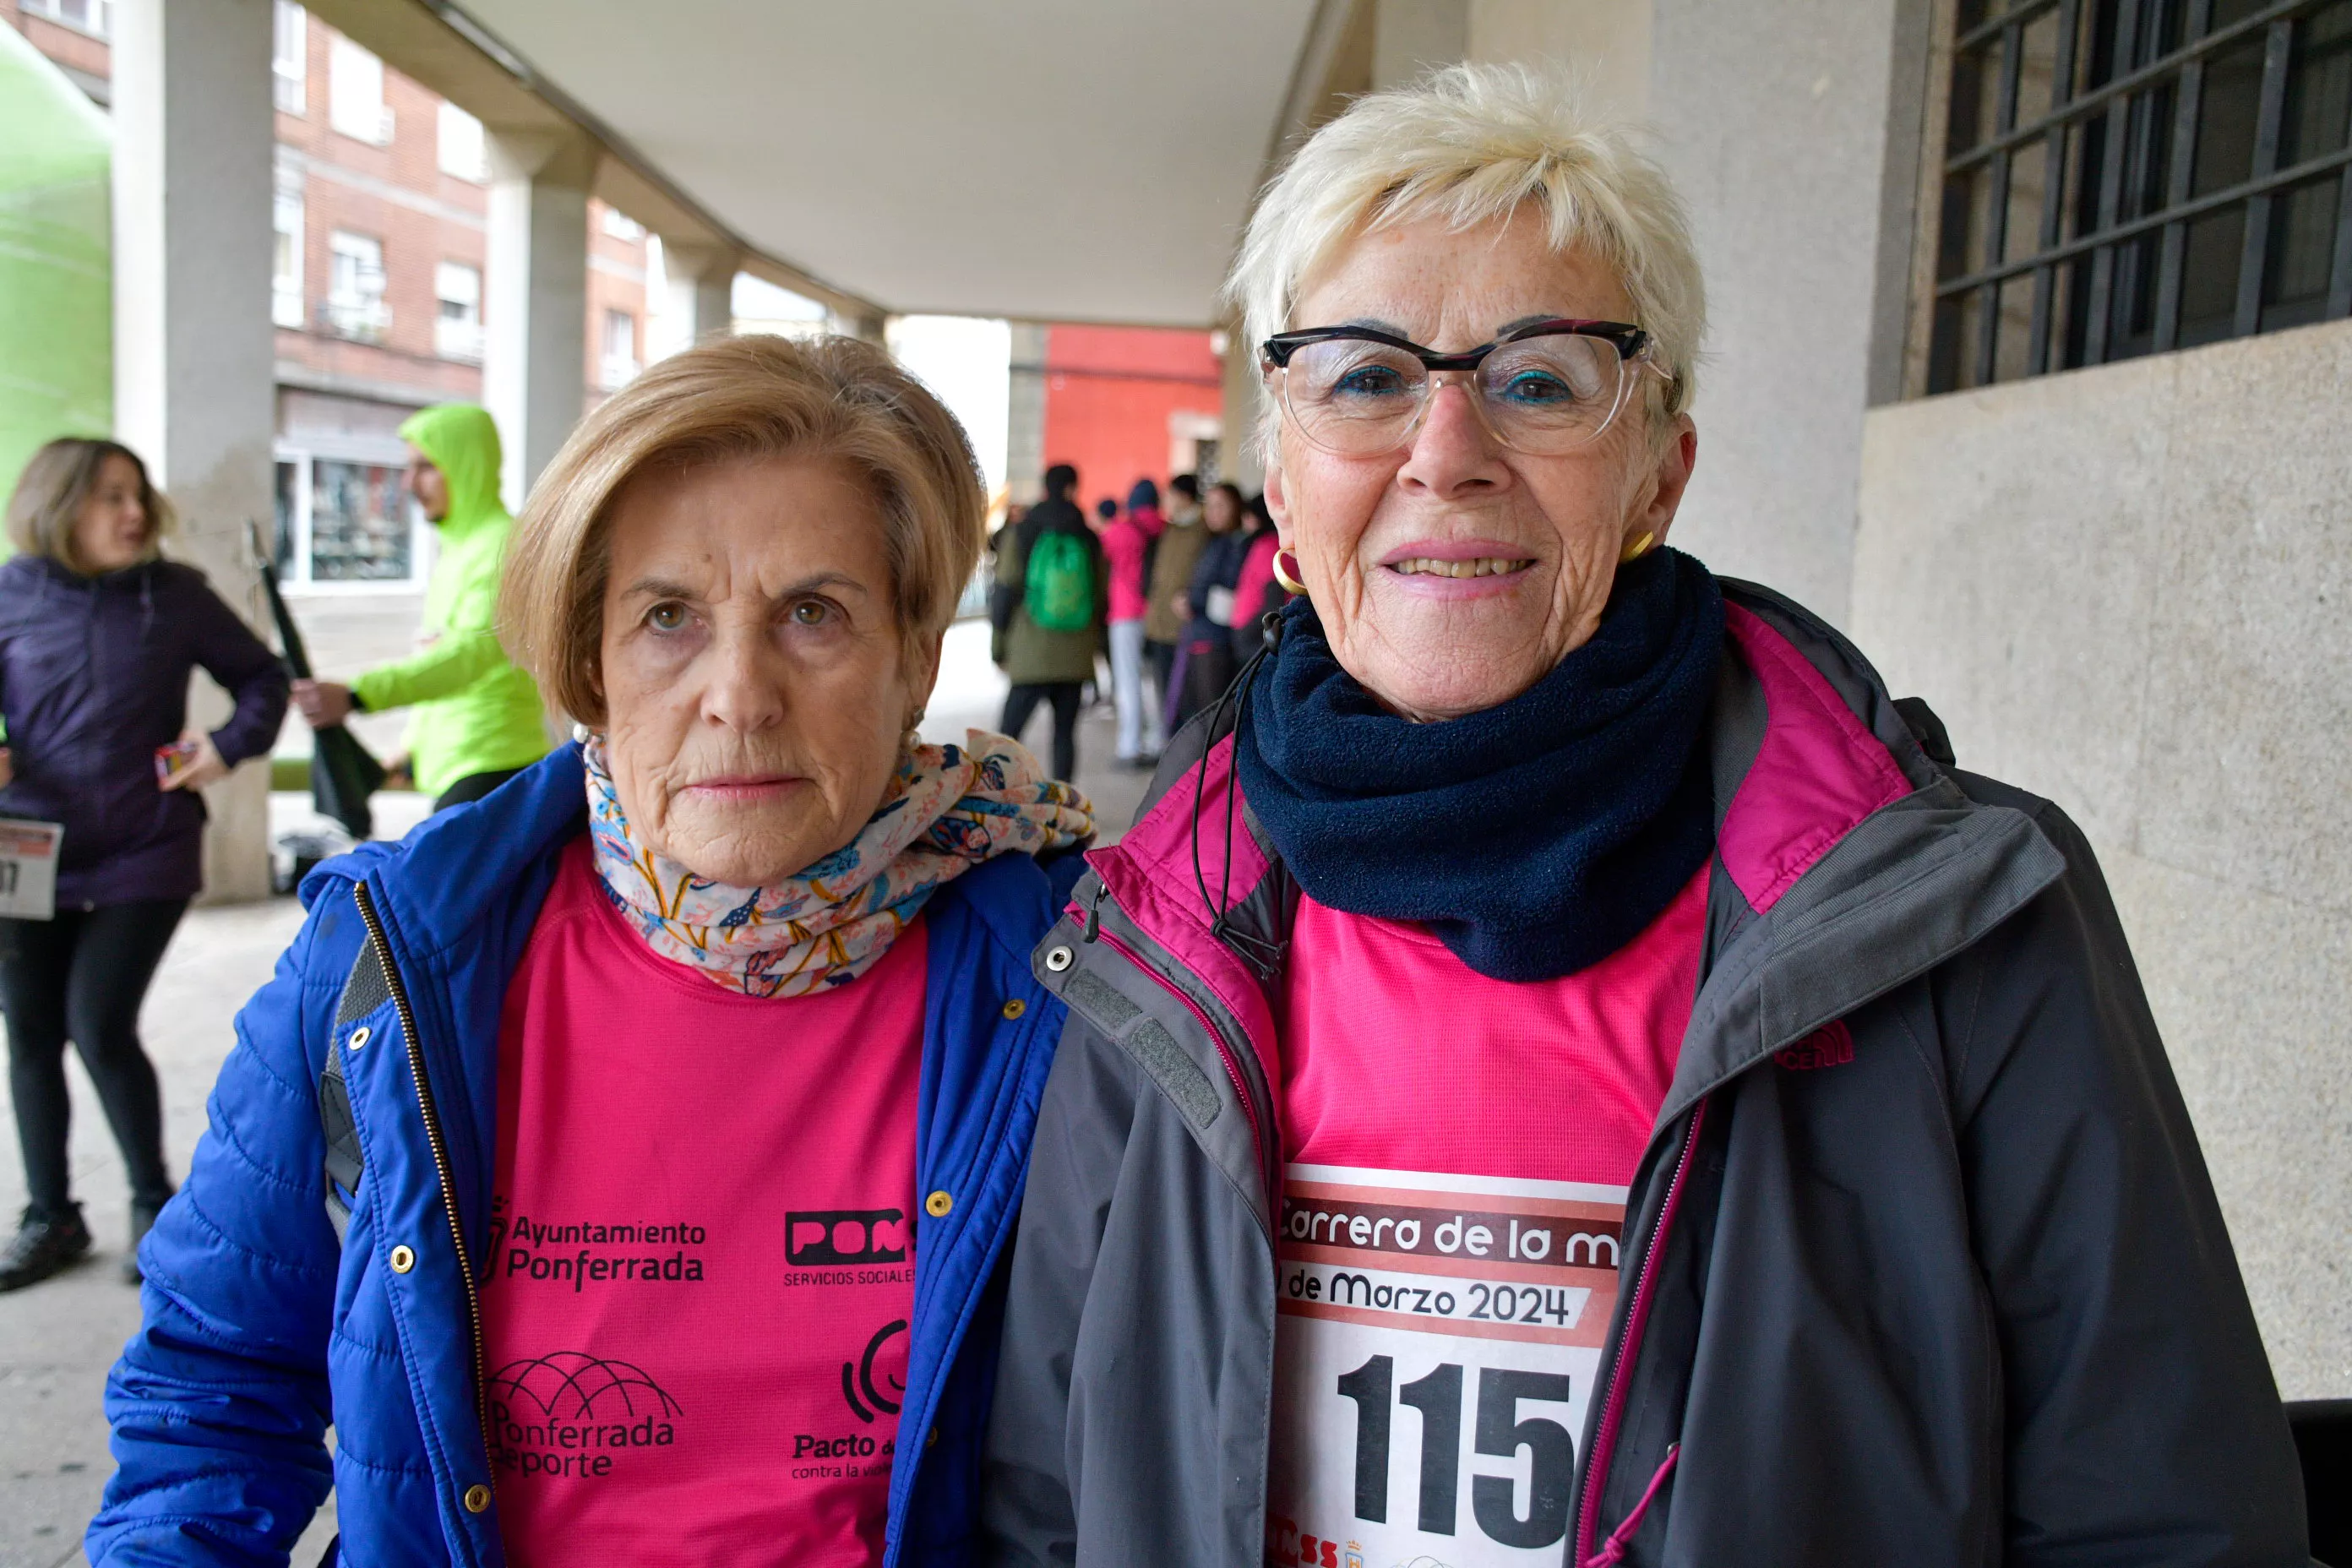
(57, 1339)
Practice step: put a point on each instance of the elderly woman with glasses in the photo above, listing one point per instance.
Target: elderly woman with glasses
(1567, 1069)
(623, 1162)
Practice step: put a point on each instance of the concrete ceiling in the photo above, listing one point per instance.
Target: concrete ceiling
(1059, 160)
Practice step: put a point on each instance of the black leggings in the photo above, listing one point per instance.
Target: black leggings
(1021, 702)
(81, 977)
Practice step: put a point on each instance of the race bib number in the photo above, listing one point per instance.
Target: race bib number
(28, 869)
(1435, 1347)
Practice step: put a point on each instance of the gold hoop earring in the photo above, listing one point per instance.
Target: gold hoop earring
(1637, 549)
(1285, 571)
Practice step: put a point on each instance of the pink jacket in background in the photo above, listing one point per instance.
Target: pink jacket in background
(1256, 590)
(1124, 542)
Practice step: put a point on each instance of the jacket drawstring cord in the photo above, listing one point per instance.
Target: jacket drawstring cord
(1612, 1551)
(1261, 955)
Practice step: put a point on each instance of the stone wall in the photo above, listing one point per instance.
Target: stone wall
(2125, 588)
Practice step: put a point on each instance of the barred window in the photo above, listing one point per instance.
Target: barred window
(2121, 177)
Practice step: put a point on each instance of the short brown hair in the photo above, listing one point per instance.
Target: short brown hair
(48, 497)
(759, 396)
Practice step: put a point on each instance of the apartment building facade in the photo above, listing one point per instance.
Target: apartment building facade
(380, 216)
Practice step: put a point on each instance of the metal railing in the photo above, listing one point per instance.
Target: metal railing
(363, 320)
(2128, 176)
(458, 337)
(615, 371)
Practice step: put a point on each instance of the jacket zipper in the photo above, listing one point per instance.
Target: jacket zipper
(1216, 1035)
(440, 1147)
(1628, 1342)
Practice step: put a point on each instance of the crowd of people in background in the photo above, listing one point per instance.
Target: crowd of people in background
(1179, 599)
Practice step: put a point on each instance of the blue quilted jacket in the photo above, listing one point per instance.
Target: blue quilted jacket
(261, 1328)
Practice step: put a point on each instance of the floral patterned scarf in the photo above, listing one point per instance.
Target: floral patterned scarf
(949, 809)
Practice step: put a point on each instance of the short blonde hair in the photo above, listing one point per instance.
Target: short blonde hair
(48, 496)
(749, 397)
(1471, 144)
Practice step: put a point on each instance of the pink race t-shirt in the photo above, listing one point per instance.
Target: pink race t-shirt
(1458, 1151)
(702, 1252)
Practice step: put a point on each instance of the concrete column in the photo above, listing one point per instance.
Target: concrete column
(1793, 128)
(1239, 457)
(699, 294)
(1410, 37)
(193, 391)
(871, 327)
(1024, 413)
(534, 318)
(1604, 44)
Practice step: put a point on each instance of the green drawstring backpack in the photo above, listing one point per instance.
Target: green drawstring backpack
(1059, 594)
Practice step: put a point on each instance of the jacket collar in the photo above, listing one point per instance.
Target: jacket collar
(458, 862)
(47, 570)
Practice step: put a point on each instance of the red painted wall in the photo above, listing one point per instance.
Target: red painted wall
(1109, 393)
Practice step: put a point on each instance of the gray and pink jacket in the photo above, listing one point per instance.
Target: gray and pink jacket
(1922, 1263)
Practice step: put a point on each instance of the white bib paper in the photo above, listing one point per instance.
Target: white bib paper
(28, 869)
(1435, 1347)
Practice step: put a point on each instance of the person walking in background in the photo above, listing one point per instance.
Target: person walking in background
(1172, 557)
(1013, 512)
(1128, 543)
(1204, 661)
(1258, 591)
(1050, 599)
(97, 634)
(479, 717)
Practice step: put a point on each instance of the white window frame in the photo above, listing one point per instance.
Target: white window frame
(458, 337)
(375, 451)
(615, 371)
(100, 14)
(460, 147)
(618, 224)
(289, 56)
(288, 295)
(355, 312)
(355, 106)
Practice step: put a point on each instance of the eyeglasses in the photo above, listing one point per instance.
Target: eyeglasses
(1545, 388)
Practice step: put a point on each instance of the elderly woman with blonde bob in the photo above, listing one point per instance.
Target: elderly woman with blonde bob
(623, 1162)
(1567, 1069)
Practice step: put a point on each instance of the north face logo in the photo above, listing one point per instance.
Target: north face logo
(1828, 1046)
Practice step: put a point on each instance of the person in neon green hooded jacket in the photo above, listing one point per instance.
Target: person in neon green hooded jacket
(478, 715)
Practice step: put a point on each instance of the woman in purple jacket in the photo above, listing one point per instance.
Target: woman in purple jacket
(97, 634)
